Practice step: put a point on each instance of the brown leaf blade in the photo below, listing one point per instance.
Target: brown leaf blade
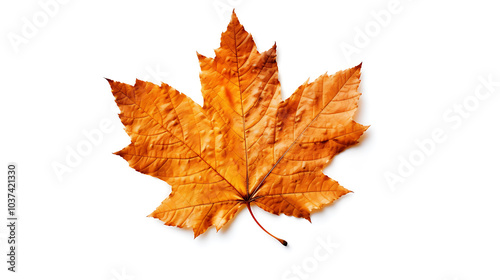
(245, 145)
(158, 120)
(314, 125)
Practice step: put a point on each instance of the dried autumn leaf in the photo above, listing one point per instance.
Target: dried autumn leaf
(245, 145)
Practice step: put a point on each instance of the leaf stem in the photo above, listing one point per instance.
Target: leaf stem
(282, 241)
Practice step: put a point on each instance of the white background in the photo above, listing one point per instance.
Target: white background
(441, 223)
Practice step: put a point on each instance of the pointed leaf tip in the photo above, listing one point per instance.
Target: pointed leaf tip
(200, 56)
(234, 18)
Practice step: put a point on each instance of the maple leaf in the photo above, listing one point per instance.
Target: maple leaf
(245, 145)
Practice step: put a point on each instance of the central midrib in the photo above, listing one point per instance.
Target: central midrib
(247, 181)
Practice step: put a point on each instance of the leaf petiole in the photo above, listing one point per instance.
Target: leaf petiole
(282, 241)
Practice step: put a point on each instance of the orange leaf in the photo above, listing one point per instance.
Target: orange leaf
(245, 145)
